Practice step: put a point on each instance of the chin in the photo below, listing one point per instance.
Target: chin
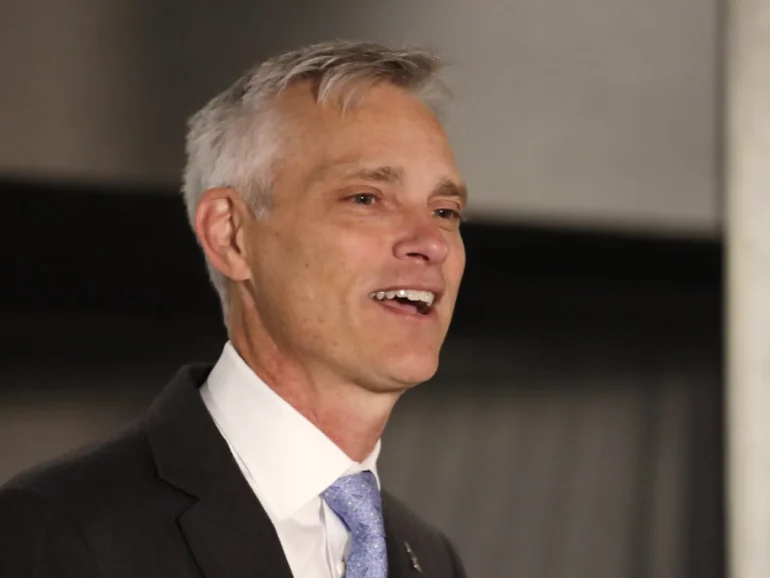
(413, 369)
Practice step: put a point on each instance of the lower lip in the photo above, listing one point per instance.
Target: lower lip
(405, 311)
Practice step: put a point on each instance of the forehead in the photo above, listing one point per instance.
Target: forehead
(385, 126)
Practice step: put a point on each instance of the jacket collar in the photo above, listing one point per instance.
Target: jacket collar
(226, 527)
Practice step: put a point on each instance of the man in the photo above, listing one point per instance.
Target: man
(326, 199)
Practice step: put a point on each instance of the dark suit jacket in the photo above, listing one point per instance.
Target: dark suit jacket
(165, 498)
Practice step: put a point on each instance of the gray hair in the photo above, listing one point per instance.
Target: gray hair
(233, 141)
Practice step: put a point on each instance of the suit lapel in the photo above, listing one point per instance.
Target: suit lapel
(226, 528)
(399, 563)
(230, 537)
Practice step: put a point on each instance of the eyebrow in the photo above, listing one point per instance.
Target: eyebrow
(449, 188)
(446, 187)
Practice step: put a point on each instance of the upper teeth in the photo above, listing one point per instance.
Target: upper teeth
(411, 294)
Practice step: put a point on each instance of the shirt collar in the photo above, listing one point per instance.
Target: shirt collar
(288, 458)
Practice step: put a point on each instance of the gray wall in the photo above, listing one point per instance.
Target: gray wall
(599, 113)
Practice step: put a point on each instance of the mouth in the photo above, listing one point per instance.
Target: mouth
(410, 301)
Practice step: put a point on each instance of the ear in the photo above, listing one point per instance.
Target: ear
(220, 222)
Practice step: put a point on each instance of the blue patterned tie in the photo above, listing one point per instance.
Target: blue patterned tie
(356, 500)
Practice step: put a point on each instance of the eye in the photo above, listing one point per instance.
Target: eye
(448, 214)
(364, 198)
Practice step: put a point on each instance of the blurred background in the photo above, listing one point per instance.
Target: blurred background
(575, 427)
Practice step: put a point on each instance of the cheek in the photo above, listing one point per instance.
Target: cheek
(321, 265)
(284, 267)
(323, 268)
(352, 249)
(456, 262)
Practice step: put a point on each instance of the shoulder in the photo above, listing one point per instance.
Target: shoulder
(99, 471)
(51, 516)
(427, 543)
(96, 496)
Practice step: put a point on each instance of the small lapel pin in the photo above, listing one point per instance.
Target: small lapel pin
(413, 558)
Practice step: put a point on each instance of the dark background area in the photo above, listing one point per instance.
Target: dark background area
(574, 428)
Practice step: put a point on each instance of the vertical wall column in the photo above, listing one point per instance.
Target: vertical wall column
(748, 241)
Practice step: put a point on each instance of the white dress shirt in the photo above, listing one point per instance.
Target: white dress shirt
(287, 461)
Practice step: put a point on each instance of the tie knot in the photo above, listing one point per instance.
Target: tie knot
(356, 500)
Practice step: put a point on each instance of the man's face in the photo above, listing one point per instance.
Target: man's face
(365, 203)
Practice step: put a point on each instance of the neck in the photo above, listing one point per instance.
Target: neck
(350, 415)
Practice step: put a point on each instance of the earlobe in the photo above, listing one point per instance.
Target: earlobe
(219, 225)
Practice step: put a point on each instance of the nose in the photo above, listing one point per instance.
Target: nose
(422, 240)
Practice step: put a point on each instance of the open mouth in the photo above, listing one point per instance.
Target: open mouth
(408, 300)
